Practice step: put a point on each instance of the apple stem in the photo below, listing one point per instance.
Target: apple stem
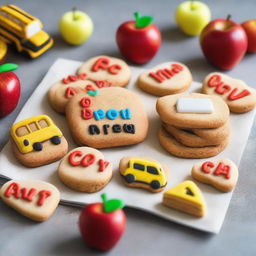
(74, 9)
(137, 17)
(229, 16)
(8, 67)
(104, 197)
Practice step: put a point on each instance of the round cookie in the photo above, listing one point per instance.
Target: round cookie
(85, 169)
(189, 138)
(170, 144)
(114, 117)
(221, 174)
(194, 110)
(106, 68)
(37, 200)
(3, 51)
(143, 173)
(238, 95)
(165, 79)
(37, 141)
(60, 92)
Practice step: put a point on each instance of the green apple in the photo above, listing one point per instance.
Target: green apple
(75, 27)
(192, 17)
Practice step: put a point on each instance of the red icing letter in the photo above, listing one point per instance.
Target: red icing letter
(114, 69)
(206, 167)
(71, 158)
(101, 63)
(233, 96)
(101, 83)
(85, 102)
(214, 81)
(103, 165)
(223, 170)
(13, 189)
(82, 76)
(176, 68)
(28, 196)
(87, 113)
(88, 160)
(70, 92)
(89, 88)
(43, 194)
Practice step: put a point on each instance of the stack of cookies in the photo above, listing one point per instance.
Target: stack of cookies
(193, 125)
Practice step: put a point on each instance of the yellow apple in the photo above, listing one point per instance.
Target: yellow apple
(75, 27)
(192, 17)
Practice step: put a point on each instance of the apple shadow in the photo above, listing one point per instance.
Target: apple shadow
(174, 34)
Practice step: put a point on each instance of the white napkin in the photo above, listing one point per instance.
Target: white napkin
(217, 202)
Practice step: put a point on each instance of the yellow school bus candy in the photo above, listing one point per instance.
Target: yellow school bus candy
(23, 30)
(185, 197)
(30, 133)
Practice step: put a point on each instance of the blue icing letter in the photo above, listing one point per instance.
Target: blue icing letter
(125, 113)
(99, 114)
(112, 114)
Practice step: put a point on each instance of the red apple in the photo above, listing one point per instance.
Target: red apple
(250, 30)
(9, 89)
(224, 43)
(138, 40)
(102, 224)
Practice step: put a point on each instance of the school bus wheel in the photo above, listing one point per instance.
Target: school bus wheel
(129, 178)
(56, 140)
(155, 184)
(37, 146)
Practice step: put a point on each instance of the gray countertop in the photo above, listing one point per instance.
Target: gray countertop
(145, 233)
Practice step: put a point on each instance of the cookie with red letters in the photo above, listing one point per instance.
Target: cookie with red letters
(105, 68)
(61, 91)
(113, 117)
(166, 78)
(239, 97)
(221, 174)
(85, 169)
(37, 200)
(37, 141)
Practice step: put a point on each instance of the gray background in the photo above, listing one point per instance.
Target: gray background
(145, 234)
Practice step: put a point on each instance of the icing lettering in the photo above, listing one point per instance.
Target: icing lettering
(221, 169)
(70, 92)
(112, 114)
(73, 78)
(222, 88)
(43, 194)
(102, 83)
(164, 74)
(86, 160)
(206, 167)
(85, 102)
(103, 63)
(18, 192)
(103, 165)
(87, 113)
(116, 128)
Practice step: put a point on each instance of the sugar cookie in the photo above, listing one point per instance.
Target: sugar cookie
(85, 169)
(105, 68)
(167, 109)
(238, 95)
(143, 173)
(114, 117)
(37, 200)
(166, 78)
(170, 144)
(37, 141)
(61, 91)
(222, 174)
(186, 197)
